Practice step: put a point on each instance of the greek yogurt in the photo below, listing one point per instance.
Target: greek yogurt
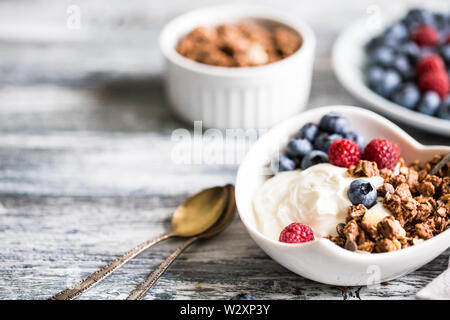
(316, 197)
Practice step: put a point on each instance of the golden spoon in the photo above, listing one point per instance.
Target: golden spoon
(220, 225)
(195, 215)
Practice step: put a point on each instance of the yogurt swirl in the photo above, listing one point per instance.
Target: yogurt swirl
(316, 197)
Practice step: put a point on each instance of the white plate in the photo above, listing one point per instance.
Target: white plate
(321, 260)
(348, 61)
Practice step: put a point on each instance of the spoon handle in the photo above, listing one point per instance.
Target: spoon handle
(99, 275)
(145, 285)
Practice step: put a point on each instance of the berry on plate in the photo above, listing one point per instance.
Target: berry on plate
(362, 192)
(447, 38)
(375, 74)
(296, 233)
(435, 81)
(383, 56)
(444, 109)
(410, 58)
(377, 42)
(430, 63)
(425, 35)
(344, 153)
(313, 158)
(403, 66)
(384, 152)
(410, 49)
(407, 95)
(429, 103)
(389, 83)
(397, 31)
(418, 16)
(445, 52)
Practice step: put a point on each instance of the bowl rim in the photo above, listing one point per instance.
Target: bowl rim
(331, 246)
(239, 11)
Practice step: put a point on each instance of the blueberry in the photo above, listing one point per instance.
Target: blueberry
(333, 137)
(362, 192)
(445, 53)
(383, 56)
(440, 21)
(388, 84)
(375, 74)
(426, 51)
(378, 42)
(444, 109)
(410, 49)
(334, 122)
(308, 131)
(282, 163)
(403, 66)
(325, 140)
(443, 36)
(429, 103)
(298, 148)
(355, 137)
(397, 31)
(417, 17)
(321, 142)
(372, 44)
(407, 96)
(243, 296)
(313, 158)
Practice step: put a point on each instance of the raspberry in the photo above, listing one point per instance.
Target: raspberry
(384, 152)
(344, 153)
(296, 233)
(435, 81)
(430, 63)
(425, 35)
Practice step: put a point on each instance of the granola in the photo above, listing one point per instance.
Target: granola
(418, 201)
(364, 169)
(242, 45)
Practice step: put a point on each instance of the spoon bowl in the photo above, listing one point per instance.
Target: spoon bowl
(226, 217)
(199, 212)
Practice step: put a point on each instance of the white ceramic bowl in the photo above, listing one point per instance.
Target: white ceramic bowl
(321, 260)
(348, 61)
(252, 97)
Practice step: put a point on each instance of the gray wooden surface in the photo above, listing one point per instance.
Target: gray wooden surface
(86, 168)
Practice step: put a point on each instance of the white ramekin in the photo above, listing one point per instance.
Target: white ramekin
(253, 97)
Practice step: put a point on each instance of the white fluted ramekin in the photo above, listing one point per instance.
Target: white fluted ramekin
(251, 97)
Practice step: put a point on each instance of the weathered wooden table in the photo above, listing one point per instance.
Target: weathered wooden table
(86, 157)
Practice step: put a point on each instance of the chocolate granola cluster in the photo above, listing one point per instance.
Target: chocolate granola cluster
(243, 45)
(418, 201)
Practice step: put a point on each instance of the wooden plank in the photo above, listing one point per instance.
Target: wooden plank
(86, 163)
